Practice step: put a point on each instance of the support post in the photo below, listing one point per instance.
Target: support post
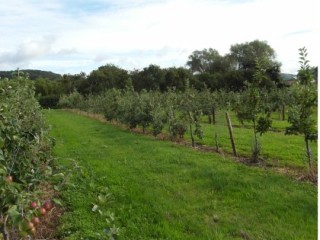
(231, 135)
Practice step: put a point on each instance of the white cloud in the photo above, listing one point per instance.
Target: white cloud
(136, 33)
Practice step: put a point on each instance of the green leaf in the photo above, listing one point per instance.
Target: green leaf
(1, 155)
(57, 201)
(13, 213)
(1, 142)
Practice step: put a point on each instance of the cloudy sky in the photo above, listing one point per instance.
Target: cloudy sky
(70, 36)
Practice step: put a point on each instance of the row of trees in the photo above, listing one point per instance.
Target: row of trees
(181, 111)
(204, 68)
(176, 112)
(25, 158)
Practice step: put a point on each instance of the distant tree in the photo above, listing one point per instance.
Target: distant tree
(245, 55)
(233, 80)
(209, 80)
(207, 60)
(107, 77)
(177, 78)
(150, 78)
(71, 82)
(47, 92)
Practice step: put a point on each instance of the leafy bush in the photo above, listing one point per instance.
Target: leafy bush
(73, 100)
(25, 155)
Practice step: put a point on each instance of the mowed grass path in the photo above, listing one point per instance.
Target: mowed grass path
(164, 191)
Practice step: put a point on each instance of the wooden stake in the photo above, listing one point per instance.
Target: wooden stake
(231, 135)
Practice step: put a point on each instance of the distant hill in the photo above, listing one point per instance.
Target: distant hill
(288, 76)
(33, 74)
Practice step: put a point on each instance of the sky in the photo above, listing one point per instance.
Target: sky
(73, 36)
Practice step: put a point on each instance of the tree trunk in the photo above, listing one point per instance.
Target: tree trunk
(283, 112)
(191, 135)
(209, 119)
(3, 229)
(190, 128)
(213, 112)
(256, 151)
(231, 135)
(216, 141)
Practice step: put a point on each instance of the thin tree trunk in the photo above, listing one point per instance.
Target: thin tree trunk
(231, 135)
(3, 229)
(213, 116)
(216, 141)
(191, 135)
(255, 150)
(190, 128)
(209, 119)
(283, 112)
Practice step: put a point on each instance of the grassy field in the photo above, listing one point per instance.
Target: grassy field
(160, 190)
(277, 149)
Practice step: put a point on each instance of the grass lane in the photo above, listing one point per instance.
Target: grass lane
(164, 191)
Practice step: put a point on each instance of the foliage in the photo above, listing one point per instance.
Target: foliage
(245, 56)
(49, 101)
(111, 104)
(70, 101)
(207, 60)
(177, 78)
(107, 77)
(253, 105)
(191, 110)
(25, 154)
(149, 78)
(303, 106)
(174, 120)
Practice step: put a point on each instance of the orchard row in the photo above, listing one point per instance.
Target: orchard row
(181, 112)
(25, 159)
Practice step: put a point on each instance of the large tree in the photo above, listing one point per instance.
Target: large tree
(177, 78)
(245, 55)
(207, 60)
(107, 77)
(150, 78)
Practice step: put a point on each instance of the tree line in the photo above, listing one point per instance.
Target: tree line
(205, 68)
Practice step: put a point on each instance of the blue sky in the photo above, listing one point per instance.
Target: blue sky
(70, 36)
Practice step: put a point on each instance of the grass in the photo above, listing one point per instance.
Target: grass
(160, 190)
(278, 149)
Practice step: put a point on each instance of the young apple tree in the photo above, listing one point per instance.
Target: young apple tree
(252, 106)
(302, 112)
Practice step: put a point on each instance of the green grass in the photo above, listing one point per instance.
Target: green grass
(161, 190)
(277, 148)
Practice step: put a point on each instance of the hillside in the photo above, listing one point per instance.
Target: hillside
(33, 74)
(287, 76)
